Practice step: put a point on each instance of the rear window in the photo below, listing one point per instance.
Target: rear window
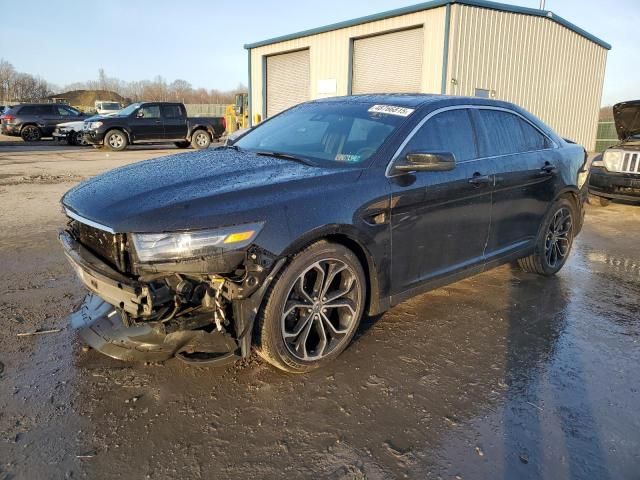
(34, 110)
(506, 133)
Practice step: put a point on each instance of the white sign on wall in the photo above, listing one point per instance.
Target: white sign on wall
(327, 86)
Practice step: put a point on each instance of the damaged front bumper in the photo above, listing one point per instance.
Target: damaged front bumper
(134, 320)
(102, 327)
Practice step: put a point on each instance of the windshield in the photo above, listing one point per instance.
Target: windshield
(340, 133)
(125, 112)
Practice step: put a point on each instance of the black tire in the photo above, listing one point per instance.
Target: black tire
(337, 313)
(184, 144)
(116, 140)
(30, 133)
(554, 240)
(77, 138)
(604, 202)
(200, 139)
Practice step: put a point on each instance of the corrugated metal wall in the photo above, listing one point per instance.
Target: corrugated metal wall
(329, 53)
(538, 64)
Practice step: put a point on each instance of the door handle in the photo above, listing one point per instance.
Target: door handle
(548, 169)
(479, 179)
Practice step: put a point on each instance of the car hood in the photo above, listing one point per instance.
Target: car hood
(627, 118)
(203, 189)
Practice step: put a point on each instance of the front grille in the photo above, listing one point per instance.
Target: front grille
(631, 163)
(107, 246)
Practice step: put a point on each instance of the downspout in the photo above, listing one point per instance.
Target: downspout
(445, 50)
(250, 107)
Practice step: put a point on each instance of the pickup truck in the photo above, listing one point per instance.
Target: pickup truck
(153, 122)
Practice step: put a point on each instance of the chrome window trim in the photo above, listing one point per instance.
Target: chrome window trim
(396, 155)
(86, 221)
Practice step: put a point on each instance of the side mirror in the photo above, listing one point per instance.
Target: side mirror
(425, 162)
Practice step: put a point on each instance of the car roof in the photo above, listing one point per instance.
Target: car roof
(416, 100)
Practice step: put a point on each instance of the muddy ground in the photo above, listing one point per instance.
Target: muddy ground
(504, 375)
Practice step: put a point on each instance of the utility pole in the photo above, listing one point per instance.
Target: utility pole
(542, 4)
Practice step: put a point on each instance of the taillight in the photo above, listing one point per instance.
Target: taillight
(224, 123)
(8, 118)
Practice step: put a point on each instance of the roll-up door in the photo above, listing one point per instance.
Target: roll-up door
(287, 80)
(390, 62)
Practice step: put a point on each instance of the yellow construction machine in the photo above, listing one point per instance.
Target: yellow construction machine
(237, 115)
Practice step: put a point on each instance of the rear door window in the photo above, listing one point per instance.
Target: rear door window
(449, 131)
(505, 133)
(172, 111)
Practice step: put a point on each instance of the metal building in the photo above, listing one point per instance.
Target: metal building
(527, 56)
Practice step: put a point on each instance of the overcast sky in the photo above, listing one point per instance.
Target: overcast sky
(202, 41)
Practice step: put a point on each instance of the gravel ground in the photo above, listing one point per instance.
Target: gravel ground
(504, 375)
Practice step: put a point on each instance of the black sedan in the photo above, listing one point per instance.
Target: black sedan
(331, 210)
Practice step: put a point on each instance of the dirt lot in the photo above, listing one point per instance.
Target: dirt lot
(504, 375)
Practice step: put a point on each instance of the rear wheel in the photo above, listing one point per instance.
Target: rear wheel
(116, 140)
(30, 133)
(200, 139)
(554, 241)
(184, 144)
(313, 309)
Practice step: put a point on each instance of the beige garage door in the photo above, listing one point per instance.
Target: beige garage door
(287, 80)
(391, 62)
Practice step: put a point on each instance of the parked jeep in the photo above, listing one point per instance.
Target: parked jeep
(615, 174)
(32, 121)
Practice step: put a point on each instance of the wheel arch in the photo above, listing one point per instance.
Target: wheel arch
(350, 238)
(29, 124)
(201, 127)
(576, 197)
(122, 129)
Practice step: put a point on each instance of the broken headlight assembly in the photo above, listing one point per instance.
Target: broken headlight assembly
(160, 247)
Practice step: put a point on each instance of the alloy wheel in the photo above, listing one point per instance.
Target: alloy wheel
(201, 139)
(320, 309)
(558, 239)
(30, 133)
(116, 140)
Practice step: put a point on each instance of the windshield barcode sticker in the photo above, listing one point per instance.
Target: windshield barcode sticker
(391, 110)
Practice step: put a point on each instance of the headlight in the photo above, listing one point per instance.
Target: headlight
(154, 247)
(94, 125)
(612, 160)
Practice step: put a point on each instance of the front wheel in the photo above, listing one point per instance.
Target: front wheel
(115, 140)
(554, 240)
(313, 309)
(78, 139)
(200, 139)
